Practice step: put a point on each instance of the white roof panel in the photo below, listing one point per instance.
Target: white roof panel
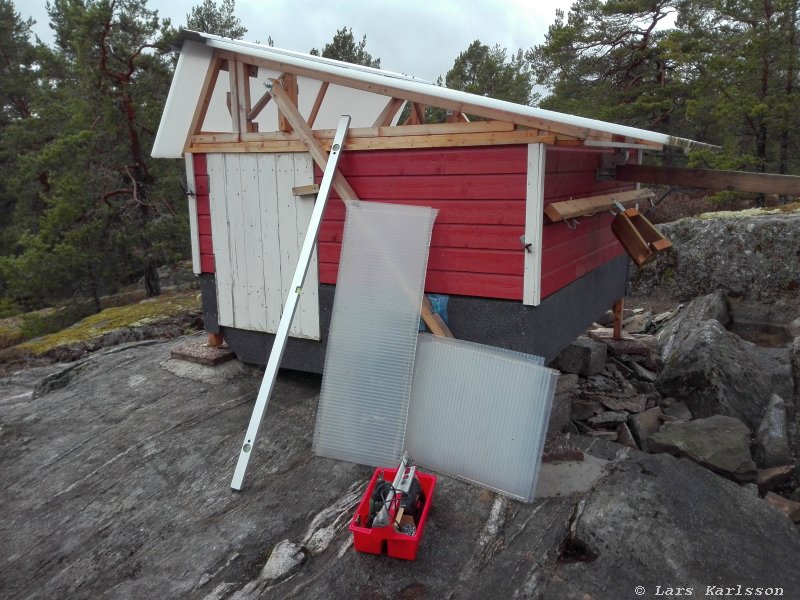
(387, 83)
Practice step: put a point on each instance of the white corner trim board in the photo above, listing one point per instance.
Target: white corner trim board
(191, 196)
(534, 221)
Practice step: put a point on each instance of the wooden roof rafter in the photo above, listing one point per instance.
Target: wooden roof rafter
(457, 131)
(199, 48)
(388, 113)
(422, 98)
(207, 89)
(312, 117)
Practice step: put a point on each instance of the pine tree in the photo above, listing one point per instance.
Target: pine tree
(103, 212)
(217, 19)
(614, 60)
(344, 47)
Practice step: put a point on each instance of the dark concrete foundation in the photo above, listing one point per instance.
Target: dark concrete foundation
(543, 330)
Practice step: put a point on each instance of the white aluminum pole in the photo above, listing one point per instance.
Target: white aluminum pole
(281, 336)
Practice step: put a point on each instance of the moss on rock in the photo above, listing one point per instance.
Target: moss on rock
(145, 314)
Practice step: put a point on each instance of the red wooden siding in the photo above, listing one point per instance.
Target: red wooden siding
(568, 254)
(480, 194)
(203, 213)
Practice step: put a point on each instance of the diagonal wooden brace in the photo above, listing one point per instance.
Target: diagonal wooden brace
(301, 128)
(315, 149)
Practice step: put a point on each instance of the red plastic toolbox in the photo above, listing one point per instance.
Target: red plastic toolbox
(386, 539)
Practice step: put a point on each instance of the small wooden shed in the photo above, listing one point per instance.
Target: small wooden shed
(522, 244)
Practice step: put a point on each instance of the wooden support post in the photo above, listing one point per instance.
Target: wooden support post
(237, 99)
(619, 306)
(215, 340)
(289, 112)
(419, 110)
(290, 87)
(243, 79)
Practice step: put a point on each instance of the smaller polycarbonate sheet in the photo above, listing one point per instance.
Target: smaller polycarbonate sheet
(480, 413)
(369, 363)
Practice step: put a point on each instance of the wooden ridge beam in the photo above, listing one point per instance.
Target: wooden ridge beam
(584, 207)
(295, 120)
(739, 181)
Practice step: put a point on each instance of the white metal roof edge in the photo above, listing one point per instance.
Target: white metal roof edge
(282, 53)
(176, 120)
(406, 83)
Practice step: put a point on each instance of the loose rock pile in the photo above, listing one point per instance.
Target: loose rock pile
(679, 382)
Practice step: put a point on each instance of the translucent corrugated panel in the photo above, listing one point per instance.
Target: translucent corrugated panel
(480, 413)
(366, 382)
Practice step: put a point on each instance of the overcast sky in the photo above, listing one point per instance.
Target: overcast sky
(417, 37)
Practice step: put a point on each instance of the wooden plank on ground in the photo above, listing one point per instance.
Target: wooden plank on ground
(581, 207)
(739, 181)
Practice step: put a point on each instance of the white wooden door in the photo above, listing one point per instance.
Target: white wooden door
(257, 228)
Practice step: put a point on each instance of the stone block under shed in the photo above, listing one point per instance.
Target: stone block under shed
(583, 357)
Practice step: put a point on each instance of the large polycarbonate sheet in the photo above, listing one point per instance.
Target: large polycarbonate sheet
(369, 363)
(480, 413)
